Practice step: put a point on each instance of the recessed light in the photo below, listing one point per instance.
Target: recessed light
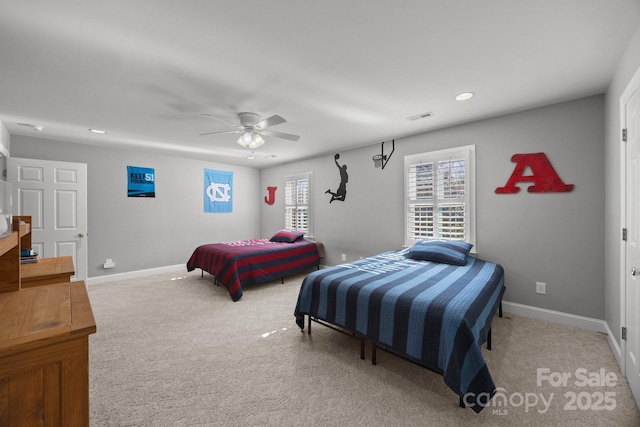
(98, 131)
(464, 96)
(38, 128)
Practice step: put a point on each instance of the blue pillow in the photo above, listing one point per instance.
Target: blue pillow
(286, 236)
(445, 251)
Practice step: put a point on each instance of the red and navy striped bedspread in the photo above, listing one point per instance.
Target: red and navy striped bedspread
(239, 263)
(437, 315)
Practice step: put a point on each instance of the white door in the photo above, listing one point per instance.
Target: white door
(632, 262)
(55, 195)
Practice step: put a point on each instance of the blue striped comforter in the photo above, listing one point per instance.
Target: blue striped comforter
(437, 315)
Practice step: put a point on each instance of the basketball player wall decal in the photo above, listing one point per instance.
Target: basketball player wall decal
(341, 193)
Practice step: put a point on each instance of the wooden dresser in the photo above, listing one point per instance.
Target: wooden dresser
(44, 348)
(47, 271)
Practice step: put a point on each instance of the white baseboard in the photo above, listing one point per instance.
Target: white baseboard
(559, 317)
(133, 274)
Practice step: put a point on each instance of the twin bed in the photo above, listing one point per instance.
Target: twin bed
(436, 314)
(431, 304)
(239, 263)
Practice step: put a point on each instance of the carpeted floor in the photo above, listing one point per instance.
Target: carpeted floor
(174, 350)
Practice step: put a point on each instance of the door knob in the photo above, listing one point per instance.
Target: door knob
(635, 271)
(81, 234)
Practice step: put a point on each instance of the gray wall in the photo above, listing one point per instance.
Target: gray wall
(144, 233)
(553, 238)
(613, 200)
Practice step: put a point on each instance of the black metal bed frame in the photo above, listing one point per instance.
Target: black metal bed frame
(375, 346)
(218, 282)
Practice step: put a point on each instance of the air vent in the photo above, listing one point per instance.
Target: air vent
(420, 116)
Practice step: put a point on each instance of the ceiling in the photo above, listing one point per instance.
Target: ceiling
(344, 74)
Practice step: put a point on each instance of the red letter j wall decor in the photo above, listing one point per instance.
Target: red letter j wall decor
(544, 177)
(271, 198)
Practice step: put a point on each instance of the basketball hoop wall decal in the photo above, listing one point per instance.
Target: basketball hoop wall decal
(380, 160)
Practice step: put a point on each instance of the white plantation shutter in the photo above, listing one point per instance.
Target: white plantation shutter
(440, 195)
(298, 203)
(421, 192)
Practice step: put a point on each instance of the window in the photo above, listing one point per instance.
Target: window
(298, 203)
(440, 195)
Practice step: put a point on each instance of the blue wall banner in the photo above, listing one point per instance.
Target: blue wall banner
(141, 182)
(217, 191)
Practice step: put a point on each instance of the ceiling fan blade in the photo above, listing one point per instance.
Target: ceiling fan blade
(221, 133)
(219, 119)
(270, 121)
(288, 136)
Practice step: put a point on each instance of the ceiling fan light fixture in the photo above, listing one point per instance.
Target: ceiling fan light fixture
(240, 141)
(252, 127)
(258, 140)
(250, 140)
(247, 137)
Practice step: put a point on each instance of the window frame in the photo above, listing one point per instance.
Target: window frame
(468, 153)
(297, 177)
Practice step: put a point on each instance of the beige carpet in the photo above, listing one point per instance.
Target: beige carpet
(174, 350)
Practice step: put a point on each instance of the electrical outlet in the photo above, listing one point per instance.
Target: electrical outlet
(541, 288)
(109, 263)
(344, 257)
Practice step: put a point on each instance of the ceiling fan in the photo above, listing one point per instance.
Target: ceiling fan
(253, 127)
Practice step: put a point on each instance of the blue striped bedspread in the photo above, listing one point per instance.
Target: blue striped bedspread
(437, 315)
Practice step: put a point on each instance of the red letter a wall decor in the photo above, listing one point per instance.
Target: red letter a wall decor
(544, 177)
(271, 198)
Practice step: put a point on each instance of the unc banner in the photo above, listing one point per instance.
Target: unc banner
(141, 182)
(217, 191)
